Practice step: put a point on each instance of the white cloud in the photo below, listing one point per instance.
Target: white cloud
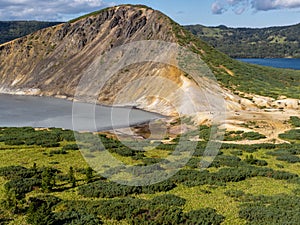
(275, 4)
(218, 8)
(239, 6)
(47, 9)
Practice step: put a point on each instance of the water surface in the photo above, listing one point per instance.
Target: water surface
(274, 62)
(20, 111)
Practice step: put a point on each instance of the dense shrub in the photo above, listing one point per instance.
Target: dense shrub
(30, 136)
(249, 148)
(253, 136)
(241, 135)
(21, 186)
(253, 161)
(76, 217)
(168, 200)
(291, 135)
(295, 121)
(157, 215)
(279, 209)
(236, 194)
(58, 152)
(289, 158)
(104, 189)
(166, 185)
(226, 160)
(14, 172)
(203, 217)
(121, 208)
(41, 212)
(70, 147)
(194, 178)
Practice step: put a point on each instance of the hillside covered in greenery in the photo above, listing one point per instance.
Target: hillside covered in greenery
(236, 75)
(272, 42)
(10, 30)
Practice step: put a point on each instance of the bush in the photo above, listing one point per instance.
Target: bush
(121, 208)
(14, 172)
(30, 136)
(226, 160)
(203, 216)
(70, 147)
(21, 186)
(104, 189)
(289, 158)
(236, 194)
(76, 218)
(295, 121)
(58, 152)
(291, 135)
(157, 215)
(253, 136)
(168, 200)
(279, 209)
(253, 161)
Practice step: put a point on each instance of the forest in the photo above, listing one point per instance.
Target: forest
(272, 42)
(11, 30)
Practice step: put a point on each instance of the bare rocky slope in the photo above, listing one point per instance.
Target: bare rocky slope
(52, 61)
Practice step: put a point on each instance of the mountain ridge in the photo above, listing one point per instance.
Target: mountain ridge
(51, 61)
(235, 42)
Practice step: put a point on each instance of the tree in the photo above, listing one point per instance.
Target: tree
(71, 176)
(39, 213)
(48, 180)
(88, 174)
(11, 201)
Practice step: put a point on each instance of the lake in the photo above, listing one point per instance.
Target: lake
(275, 62)
(20, 111)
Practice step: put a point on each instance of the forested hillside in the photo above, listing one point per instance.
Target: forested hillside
(10, 30)
(272, 42)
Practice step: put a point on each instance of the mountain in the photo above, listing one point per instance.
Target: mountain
(271, 42)
(52, 62)
(10, 30)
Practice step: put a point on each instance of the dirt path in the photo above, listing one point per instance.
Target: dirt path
(270, 124)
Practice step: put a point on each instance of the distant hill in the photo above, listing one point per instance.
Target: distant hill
(10, 30)
(272, 42)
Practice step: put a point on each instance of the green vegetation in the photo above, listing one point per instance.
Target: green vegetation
(291, 135)
(254, 184)
(295, 121)
(241, 76)
(272, 42)
(11, 30)
(241, 135)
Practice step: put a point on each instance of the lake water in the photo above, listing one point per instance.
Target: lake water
(20, 111)
(276, 62)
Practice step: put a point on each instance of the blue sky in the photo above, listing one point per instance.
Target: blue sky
(233, 13)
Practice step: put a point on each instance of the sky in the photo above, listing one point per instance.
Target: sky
(232, 13)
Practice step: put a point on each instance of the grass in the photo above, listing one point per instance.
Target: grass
(197, 197)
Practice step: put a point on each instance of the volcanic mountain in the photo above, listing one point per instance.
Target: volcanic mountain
(53, 62)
